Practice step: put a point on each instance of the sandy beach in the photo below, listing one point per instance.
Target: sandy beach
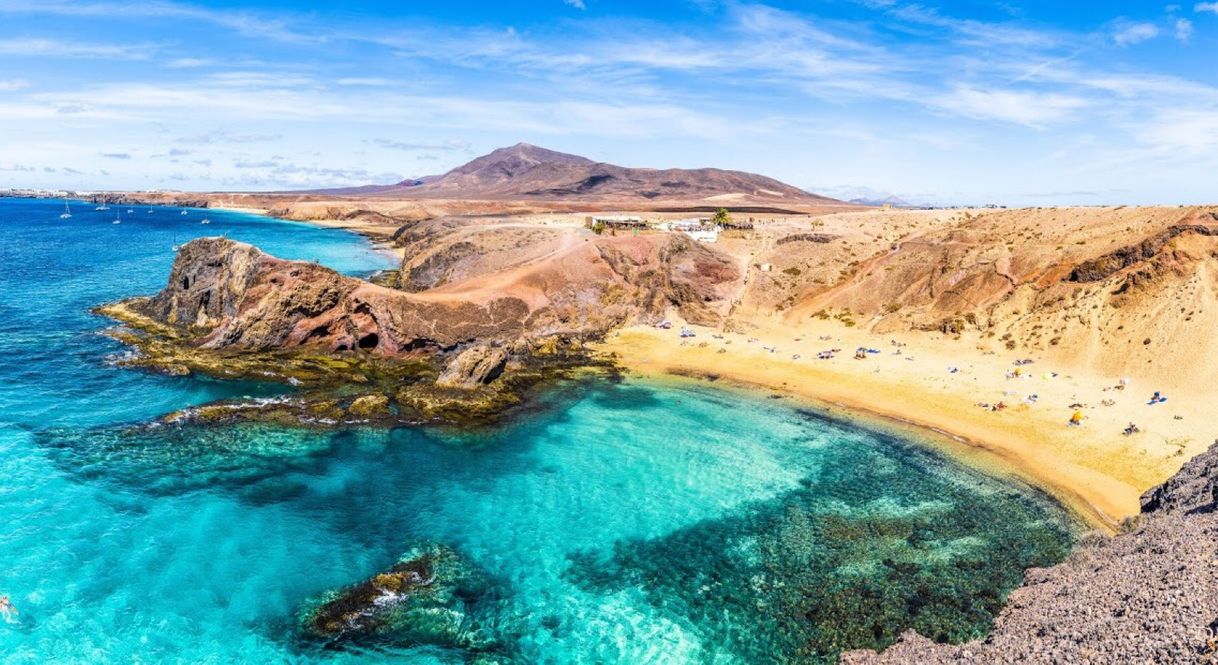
(1094, 468)
(947, 388)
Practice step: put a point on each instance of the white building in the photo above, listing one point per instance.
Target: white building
(703, 235)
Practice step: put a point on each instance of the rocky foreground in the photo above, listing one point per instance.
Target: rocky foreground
(1148, 595)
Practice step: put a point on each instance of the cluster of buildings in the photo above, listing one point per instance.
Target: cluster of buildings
(702, 229)
(37, 193)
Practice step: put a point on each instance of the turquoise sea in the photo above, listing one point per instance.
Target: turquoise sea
(614, 522)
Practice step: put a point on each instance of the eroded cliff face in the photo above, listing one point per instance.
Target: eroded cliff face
(1149, 595)
(231, 310)
(228, 294)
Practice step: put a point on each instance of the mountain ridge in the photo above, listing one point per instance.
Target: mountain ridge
(525, 171)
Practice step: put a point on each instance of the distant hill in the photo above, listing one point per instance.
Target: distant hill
(524, 171)
(894, 201)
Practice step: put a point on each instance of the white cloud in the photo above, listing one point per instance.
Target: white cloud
(10, 85)
(1134, 33)
(1184, 29)
(1181, 132)
(244, 23)
(973, 32)
(368, 82)
(187, 63)
(578, 4)
(447, 146)
(221, 136)
(50, 48)
(1211, 7)
(1030, 109)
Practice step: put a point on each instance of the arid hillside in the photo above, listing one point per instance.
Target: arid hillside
(1120, 290)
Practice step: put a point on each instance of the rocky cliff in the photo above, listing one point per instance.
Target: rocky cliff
(227, 294)
(1148, 595)
(232, 295)
(368, 353)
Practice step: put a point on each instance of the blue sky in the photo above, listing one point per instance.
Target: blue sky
(1018, 102)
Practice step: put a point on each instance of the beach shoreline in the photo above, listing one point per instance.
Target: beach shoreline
(1093, 469)
(974, 454)
(378, 235)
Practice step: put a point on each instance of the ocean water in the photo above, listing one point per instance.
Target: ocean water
(615, 522)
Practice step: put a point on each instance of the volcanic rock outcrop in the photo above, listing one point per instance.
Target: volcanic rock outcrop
(431, 596)
(232, 295)
(227, 297)
(1149, 595)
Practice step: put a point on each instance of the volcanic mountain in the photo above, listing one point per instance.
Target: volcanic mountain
(528, 172)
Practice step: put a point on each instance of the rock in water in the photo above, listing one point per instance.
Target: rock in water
(427, 598)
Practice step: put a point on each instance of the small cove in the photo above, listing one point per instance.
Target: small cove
(639, 521)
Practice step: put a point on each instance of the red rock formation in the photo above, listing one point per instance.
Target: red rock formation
(228, 294)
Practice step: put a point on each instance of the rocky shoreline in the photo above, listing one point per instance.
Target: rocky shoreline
(362, 353)
(1149, 594)
(479, 386)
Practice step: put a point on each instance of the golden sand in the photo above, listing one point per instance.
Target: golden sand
(1093, 468)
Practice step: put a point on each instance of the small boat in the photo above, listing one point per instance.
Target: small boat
(183, 212)
(206, 221)
(130, 210)
(67, 212)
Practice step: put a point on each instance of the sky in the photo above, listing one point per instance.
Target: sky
(1023, 102)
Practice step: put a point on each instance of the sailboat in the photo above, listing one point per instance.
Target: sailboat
(183, 212)
(118, 217)
(130, 210)
(206, 221)
(176, 246)
(103, 206)
(67, 212)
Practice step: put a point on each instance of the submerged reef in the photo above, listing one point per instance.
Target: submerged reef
(431, 597)
(873, 544)
(1147, 595)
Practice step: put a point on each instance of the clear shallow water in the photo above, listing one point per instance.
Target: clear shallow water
(633, 522)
